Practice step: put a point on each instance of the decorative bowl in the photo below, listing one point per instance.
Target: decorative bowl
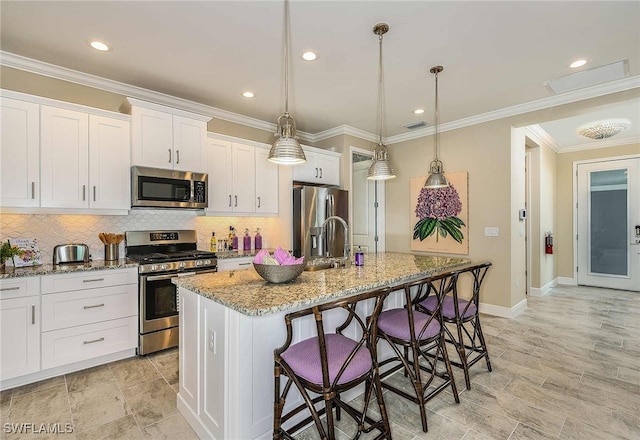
(279, 274)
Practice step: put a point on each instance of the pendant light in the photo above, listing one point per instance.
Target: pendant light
(286, 150)
(381, 168)
(436, 177)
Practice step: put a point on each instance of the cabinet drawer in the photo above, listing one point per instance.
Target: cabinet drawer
(68, 309)
(19, 287)
(61, 347)
(88, 280)
(227, 264)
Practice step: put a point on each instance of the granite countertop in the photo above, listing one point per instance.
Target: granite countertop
(223, 255)
(49, 269)
(246, 292)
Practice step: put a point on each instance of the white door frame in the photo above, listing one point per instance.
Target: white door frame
(575, 203)
(381, 223)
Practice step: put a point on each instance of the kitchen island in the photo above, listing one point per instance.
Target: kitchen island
(231, 322)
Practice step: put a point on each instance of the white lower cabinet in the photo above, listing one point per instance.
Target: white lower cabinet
(238, 263)
(19, 327)
(88, 314)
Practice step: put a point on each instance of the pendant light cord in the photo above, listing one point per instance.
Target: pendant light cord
(380, 90)
(436, 139)
(286, 57)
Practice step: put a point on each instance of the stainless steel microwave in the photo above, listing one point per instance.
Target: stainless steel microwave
(160, 188)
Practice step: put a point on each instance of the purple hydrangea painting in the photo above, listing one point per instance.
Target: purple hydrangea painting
(437, 211)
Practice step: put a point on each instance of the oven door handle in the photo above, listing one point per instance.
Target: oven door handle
(160, 277)
(177, 275)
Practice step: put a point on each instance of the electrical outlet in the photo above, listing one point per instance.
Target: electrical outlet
(212, 342)
(517, 281)
(492, 231)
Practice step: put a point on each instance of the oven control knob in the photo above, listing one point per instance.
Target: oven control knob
(198, 262)
(181, 264)
(207, 262)
(153, 268)
(163, 267)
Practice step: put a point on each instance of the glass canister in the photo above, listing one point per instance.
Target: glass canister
(258, 240)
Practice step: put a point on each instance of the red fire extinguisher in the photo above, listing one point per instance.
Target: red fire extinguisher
(548, 243)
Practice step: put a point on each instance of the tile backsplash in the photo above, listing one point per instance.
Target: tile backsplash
(51, 230)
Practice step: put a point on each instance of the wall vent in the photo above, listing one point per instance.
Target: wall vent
(414, 125)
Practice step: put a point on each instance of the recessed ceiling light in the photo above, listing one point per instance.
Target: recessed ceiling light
(248, 94)
(418, 111)
(99, 45)
(309, 56)
(578, 63)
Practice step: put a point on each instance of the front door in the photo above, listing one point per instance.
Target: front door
(608, 217)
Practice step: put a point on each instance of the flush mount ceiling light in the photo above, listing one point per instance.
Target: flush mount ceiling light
(436, 177)
(286, 150)
(603, 129)
(99, 45)
(578, 63)
(418, 111)
(380, 168)
(248, 94)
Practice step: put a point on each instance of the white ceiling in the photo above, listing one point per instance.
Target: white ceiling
(496, 55)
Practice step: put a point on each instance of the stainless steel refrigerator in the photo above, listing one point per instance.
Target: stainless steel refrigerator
(311, 206)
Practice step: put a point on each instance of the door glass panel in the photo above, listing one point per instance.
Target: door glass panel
(608, 229)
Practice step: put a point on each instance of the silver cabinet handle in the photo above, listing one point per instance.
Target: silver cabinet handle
(244, 264)
(84, 192)
(33, 190)
(177, 156)
(316, 173)
(229, 200)
(95, 340)
(236, 201)
(258, 201)
(94, 193)
(5, 289)
(169, 155)
(33, 314)
(93, 306)
(321, 173)
(93, 280)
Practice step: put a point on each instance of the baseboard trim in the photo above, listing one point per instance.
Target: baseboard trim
(544, 290)
(504, 312)
(567, 281)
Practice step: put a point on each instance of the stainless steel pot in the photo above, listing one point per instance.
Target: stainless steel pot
(70, 253)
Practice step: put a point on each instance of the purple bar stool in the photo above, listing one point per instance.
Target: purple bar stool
(418, 345)
(328, 364)
(468, 341)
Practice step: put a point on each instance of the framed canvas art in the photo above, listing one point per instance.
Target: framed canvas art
(440, 217)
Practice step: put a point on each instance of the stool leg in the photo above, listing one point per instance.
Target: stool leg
(447, 364)
(462, 353)
(484, 345)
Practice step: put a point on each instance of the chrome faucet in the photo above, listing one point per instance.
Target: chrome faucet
(346, 233)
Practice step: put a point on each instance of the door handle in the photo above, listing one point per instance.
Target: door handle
(33, 314)
(84, 192)
(316, 173)
(321, 173)
(258, 201)
(33, 190)
(236, 205)
(95, 340)
(94, 193)
(177, 156)
(169, 155)
(229, 200)
(93, 306)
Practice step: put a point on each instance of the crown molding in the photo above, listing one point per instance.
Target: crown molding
(540, 136)
(604, 143)
(30, 65)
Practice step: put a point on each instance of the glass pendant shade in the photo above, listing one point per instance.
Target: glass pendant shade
(286, 150)
(381, 168)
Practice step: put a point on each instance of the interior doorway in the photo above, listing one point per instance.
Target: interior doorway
(367, 204)
(608, 223)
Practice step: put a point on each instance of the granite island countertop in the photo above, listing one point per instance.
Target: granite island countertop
(246, 292)
(50, 269)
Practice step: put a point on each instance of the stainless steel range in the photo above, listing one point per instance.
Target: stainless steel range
(163, 255)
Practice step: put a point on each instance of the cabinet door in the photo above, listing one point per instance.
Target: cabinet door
(308, 171)
(109, 163)
(190, 340)
(189, 140)
(212, 363)
(19, 153)
(19, 336)
(220, 182)
(266, 183)
(64, 161)
(244, 179)
(328, 169)
(152, 140)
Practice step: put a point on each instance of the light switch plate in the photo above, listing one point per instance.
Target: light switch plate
(492, 231)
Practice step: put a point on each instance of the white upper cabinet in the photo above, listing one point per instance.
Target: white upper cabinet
(240, 178)
(62, 157)
(322, 167)
(19, 153)
(109, 152)
(164, 137)
(64, 151)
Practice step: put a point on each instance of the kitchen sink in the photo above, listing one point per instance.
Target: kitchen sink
(326, 263)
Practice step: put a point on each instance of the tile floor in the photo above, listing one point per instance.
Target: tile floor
(567, 368)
